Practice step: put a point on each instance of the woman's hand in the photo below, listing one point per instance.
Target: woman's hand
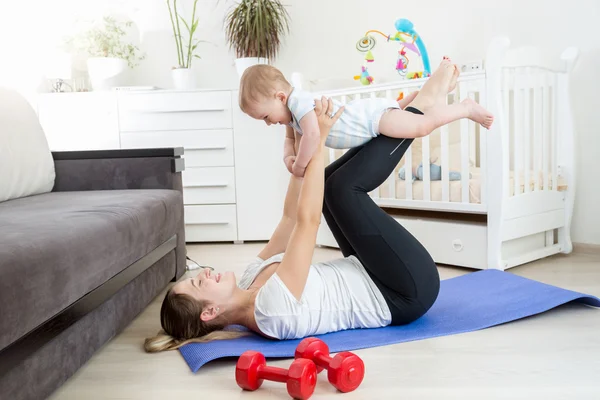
(324, 110)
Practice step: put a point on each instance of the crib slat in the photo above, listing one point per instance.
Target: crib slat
(445, 163)
(392, 178)
(506, 131)
(426, 169)
(549, 238)
(483, 150)
(545, 132)
(464, 148)
(518, 133)
(537, 138)
(554, 131)
(527, 132)
(472, 129)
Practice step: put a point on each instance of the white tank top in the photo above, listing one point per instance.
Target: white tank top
(338, 295)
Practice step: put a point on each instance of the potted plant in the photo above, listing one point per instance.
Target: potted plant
(183, 77)
(108, 53)
(254, 30)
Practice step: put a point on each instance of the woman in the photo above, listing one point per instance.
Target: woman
(385, 278)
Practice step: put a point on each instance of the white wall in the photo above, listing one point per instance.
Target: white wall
(321, 45)
(325, 33)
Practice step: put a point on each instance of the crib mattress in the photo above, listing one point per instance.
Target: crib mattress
(455, 190)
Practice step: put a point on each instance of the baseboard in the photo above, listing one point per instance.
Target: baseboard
(586, 248)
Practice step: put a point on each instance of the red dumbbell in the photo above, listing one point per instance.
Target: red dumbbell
(345, 371)
(301, 378)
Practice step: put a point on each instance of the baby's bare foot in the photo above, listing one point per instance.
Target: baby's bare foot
(478, 114)
(454, 78)
(447, 63)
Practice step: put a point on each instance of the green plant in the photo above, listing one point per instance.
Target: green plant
(106, 40)
(184, 58)
(254, 28)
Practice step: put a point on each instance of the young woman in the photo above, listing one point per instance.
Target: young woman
(385, 277)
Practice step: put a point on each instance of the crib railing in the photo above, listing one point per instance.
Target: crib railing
(466, 136)
(530, 129)
(533, 98)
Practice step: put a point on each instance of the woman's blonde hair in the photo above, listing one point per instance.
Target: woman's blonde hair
(181, 323)
(259, 82)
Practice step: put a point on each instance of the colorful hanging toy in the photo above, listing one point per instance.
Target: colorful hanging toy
(408, 39)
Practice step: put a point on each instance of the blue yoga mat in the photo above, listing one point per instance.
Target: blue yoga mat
(467, 303)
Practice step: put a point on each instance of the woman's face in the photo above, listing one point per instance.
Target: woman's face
(214, 289)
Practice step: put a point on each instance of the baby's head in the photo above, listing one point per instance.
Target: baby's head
(264, 93)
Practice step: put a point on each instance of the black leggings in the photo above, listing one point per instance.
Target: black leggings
(399, 265)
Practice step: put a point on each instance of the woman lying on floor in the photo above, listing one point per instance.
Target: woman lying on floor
(385, 278)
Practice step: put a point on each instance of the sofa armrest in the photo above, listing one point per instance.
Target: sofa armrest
(158, 168)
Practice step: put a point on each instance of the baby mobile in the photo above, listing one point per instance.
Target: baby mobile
(408, 39)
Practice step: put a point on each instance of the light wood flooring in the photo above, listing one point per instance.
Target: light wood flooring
(555, 355)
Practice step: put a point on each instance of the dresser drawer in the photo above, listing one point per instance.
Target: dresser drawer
(175, 110)
(210, 223)
(203, 148)
(167, 101)
(209, 185)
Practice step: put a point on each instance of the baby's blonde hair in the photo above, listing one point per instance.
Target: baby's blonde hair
(259, 82)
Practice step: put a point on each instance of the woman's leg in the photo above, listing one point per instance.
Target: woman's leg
(400, 266)
(341, 240)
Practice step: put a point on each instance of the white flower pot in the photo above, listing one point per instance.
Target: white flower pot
(107, 72)
(242, 63)
(183, 78)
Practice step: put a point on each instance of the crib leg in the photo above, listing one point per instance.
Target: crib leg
(494, 248)
(564, 238)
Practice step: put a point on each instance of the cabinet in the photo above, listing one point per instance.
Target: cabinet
(234, 180)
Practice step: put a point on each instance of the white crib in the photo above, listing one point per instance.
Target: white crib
(514, 200)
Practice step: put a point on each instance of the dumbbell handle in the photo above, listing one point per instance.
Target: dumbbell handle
(321, 359)
(273, 373)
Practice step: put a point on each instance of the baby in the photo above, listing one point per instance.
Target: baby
(265, 94)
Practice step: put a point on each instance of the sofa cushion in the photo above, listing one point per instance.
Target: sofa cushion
(57, 247)
(25, 159)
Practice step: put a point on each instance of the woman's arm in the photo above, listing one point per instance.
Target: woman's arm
(281, 236)
(293, 270)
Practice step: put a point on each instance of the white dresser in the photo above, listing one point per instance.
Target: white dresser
(234, 179)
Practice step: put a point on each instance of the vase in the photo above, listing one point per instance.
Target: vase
(242, 63)
(106, 72)
(183, 78)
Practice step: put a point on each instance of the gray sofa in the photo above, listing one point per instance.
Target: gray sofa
(77, 264)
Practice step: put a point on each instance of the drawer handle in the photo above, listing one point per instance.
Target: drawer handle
(216, 147)
(180, 111)
(211, 223)
(206, 185)
(457, 245)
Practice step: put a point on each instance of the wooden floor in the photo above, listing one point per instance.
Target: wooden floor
(555, 355)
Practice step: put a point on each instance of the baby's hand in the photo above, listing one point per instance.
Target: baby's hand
(289, 162)
(298, 171)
